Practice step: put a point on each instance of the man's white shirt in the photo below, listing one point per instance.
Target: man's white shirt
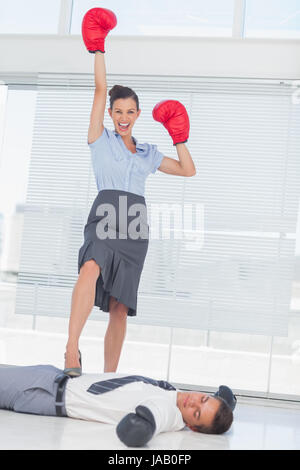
(110, 407)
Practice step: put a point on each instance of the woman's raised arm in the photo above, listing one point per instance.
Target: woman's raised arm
(98, 109)
(96, 24)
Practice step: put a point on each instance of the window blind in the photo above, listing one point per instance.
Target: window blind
(245, 143)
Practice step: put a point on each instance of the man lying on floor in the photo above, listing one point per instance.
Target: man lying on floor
(141, 407)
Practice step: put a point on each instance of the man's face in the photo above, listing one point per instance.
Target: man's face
(197, 408)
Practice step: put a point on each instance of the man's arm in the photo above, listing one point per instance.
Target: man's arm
(152, 416)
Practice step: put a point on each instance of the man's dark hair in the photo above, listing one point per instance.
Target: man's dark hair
(221, 422)
(119, 91)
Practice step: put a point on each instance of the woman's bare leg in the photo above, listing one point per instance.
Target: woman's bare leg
(115, 334)
(83, 298)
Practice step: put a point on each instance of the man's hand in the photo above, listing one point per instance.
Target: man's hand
(136, 429)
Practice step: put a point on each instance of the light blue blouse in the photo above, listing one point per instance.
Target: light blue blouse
(115, 167)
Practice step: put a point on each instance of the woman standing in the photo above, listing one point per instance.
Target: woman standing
(111, 259)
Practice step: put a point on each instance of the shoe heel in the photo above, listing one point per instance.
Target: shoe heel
(74, 371)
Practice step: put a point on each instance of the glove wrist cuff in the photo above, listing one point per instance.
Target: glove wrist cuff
(98, 50)
(99, 46)
(179, 138)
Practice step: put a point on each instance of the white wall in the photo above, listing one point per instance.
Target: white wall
(220, 57)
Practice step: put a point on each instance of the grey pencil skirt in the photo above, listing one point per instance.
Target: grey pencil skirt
(116, 236)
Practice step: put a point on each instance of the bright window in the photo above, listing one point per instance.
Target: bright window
(272, 18)
(167, 18)
(29, 17)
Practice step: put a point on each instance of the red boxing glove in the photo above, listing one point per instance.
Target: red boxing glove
(96, 24)
(173, 115)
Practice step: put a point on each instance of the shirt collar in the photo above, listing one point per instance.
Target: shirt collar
(138, 146)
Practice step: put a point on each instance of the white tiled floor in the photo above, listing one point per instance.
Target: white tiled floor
(254, 427)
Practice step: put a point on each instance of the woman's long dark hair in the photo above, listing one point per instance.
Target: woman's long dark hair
(119, 91)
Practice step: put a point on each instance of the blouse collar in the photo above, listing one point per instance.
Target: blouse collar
(137, 145)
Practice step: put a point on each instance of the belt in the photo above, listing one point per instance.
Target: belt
(61, 381)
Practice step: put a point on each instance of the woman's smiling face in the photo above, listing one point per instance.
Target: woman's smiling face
(124, 114)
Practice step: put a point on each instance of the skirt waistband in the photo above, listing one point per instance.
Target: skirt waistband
(113, 206)
(114, 192)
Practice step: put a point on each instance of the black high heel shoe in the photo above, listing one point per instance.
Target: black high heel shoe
(74, 371)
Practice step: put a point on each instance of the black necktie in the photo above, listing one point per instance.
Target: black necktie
(107, 385)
